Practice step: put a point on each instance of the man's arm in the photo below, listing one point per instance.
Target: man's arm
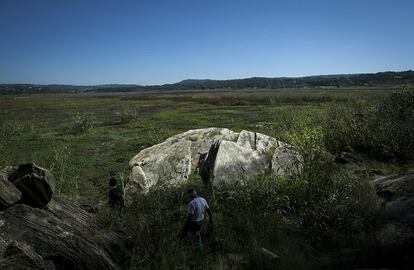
(190, 211)
(210, 216)
(188, 219)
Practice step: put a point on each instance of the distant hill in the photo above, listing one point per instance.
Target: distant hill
(340, 80)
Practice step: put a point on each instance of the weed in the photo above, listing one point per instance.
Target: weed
(82, 122)
(128, 115)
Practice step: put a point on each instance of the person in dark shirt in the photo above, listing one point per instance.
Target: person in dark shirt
(116, 197)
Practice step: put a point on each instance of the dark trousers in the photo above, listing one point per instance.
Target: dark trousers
(193, 227)
(120, 209)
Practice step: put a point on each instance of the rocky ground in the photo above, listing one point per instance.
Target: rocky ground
(41, 231)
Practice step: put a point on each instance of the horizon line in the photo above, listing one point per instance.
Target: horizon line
(204, 79)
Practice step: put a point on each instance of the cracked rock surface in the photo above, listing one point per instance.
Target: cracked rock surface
(42, 232)
(397, 194)
(219, 155)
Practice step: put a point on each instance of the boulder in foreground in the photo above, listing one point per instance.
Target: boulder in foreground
(397, 194)
(19, 256)
(9, 194)
(54, 239)
(35, 183)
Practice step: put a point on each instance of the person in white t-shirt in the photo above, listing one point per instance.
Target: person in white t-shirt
(196, 214)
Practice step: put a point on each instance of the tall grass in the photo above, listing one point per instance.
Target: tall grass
(301, 218)
(292, 216)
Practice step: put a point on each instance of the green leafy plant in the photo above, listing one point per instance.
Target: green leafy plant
(128, 115)
(82, 122)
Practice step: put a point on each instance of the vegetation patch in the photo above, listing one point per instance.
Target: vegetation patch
(380, 128)
(323, 218)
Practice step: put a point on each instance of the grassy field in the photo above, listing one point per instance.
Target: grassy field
(38, 128)
(111, 128)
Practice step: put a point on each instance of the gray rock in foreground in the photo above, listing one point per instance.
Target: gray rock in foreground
(397, 193)
(41, 232)
(9, 194)
(53, 238)
(19, 256)
(395, 235)
(73, 215)
(269, 258)
(35, 183)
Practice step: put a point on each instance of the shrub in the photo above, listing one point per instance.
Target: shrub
(326, 198)
(82, 122)
(396, 114)
(128, 115)
(380, 128)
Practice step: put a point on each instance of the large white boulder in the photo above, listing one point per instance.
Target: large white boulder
(172, 161)
(236, 163)
(253, 154)
(219, 155)
(165, 163)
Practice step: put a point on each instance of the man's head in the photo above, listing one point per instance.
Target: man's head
(112, 182)
(192, 193)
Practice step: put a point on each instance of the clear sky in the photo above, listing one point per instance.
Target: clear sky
(155, 42)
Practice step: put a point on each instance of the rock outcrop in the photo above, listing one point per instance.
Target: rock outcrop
(20, 255)
(219, 155)
(9, 194)
(253, 154)
(172, 161)
(73, 215)
(38, 231)
(397, 193)
(35, 183)
(56, 239)
(269, 258)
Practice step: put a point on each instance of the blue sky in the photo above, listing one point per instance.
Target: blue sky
(155, 42)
